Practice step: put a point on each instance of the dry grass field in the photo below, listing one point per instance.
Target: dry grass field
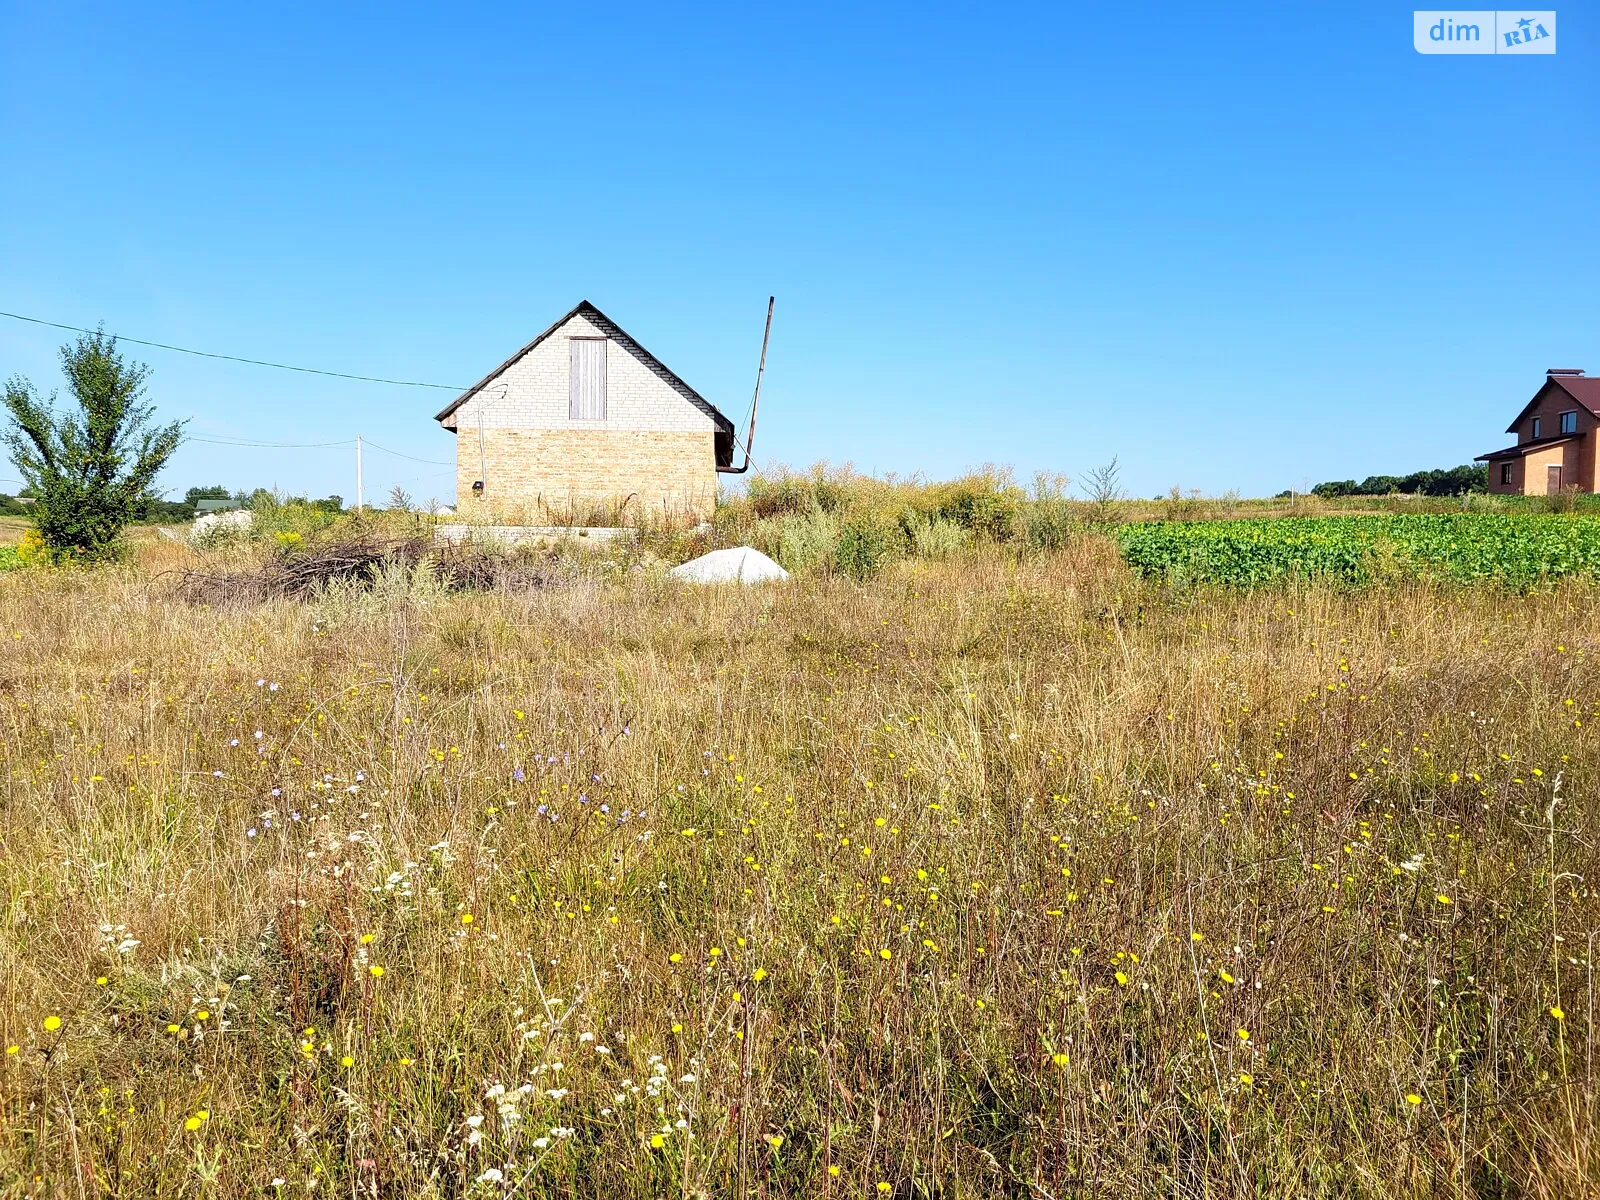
(1005, 874)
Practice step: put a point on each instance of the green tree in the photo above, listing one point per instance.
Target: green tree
(1336, 488)
(91, 470)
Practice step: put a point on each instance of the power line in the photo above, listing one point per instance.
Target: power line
(254, 445)
(420, 478)
(251, 444)
(254, 362)
(433, 462)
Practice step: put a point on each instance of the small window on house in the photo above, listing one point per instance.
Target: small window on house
(586, 390)
(1536, 427)
(1505, 474)
(1569, 422)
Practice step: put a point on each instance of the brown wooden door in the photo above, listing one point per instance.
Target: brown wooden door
(1553, 484)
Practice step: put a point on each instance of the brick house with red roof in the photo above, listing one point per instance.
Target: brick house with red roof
(1556, 439)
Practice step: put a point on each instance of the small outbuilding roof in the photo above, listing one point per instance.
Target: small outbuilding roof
(617, 334)
(1525, 448)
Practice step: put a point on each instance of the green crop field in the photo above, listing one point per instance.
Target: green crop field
(1519, 551)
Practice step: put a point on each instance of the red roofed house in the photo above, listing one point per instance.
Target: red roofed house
(1556, 438)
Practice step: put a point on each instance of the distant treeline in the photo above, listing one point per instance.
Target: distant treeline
(184, 510)
(159, 511)
(1454, 482)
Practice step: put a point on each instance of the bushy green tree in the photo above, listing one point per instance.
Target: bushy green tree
(1336, 488)
(1379, 485)
(91, 470)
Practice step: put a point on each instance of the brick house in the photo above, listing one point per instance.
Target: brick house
(583, 417)
(1556, 439)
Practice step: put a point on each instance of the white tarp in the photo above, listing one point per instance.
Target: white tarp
(738, 565)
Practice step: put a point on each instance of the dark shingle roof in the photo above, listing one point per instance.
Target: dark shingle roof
(1519, 450)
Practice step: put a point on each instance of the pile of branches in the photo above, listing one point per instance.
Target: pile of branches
(304, 573)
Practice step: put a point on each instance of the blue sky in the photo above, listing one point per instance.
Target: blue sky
(1244, 248)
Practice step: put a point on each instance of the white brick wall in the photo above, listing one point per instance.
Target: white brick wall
(532, 393)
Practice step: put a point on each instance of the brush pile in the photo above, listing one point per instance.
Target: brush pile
(364, 564)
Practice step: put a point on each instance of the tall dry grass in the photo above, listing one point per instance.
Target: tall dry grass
(991, 876)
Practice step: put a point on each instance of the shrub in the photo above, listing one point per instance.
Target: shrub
(276, 520)
(1049, 524)
(785, 493)
(32, 550)
(806, 540)
(864, 545)
(1564, 501)
(1179, 507)
(90, 472)
(778, 497)
(835, 519)
(1103, 487)
(985, 503)
(934, 537)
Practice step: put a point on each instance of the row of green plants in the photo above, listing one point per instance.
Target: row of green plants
(1518, 551)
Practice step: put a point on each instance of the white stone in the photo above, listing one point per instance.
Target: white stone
(741, 564)
(238, 518)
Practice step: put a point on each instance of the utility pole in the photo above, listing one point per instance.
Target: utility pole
(358, 473)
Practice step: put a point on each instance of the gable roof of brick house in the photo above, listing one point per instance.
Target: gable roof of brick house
(1582, 388)
(617, 334)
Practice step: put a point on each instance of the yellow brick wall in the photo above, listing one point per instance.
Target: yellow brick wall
(668, 474)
